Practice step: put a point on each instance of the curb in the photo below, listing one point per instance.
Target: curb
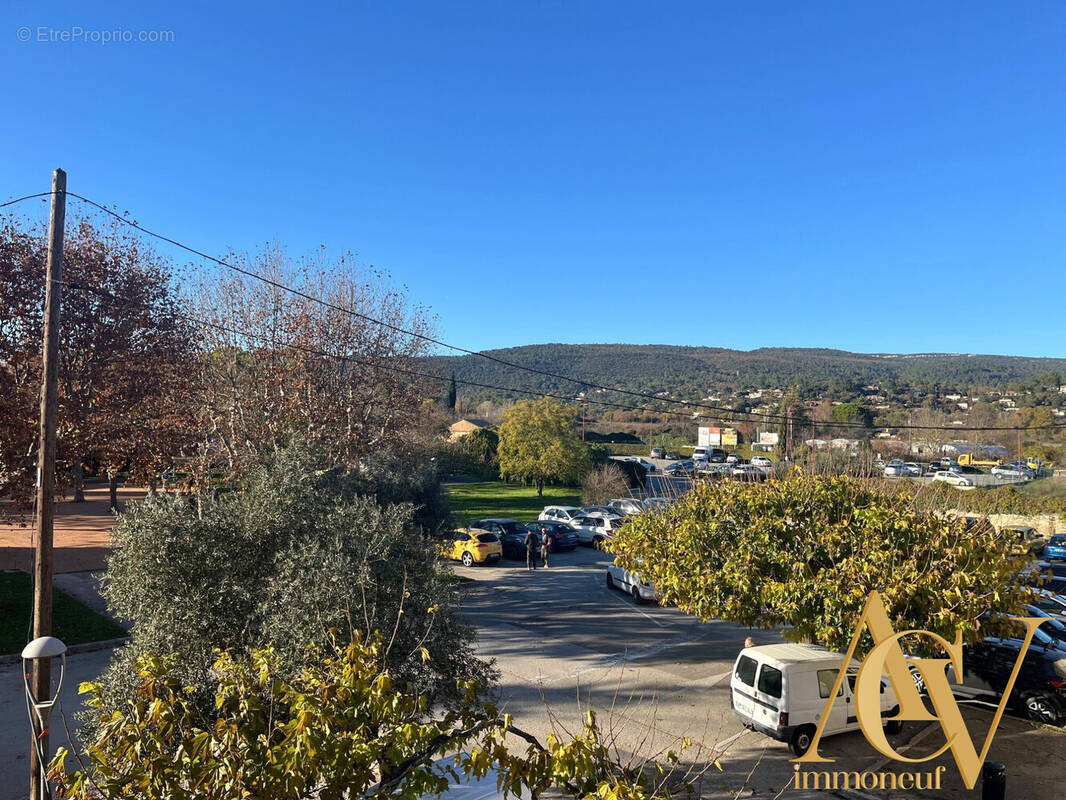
(74, 649)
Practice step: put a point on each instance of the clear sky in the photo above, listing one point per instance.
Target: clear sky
(882, 177)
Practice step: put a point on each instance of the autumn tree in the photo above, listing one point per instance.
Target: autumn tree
(539, 442)
(125, 359)
(804, 552)
(332, 364)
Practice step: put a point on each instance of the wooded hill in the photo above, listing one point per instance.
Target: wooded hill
(700, 371)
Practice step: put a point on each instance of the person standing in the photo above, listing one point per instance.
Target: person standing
(532, 540)
(545, 545)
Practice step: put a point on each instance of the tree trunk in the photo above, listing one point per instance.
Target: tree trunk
(540, 487)
(112, 490)
(79, 480)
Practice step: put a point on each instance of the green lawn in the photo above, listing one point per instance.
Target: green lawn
(72, 621)
(470, 501)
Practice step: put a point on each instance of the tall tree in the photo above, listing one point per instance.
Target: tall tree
(125, 359)
(327, 365)
(539, 441)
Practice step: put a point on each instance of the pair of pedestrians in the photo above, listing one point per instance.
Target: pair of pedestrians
(533, 541)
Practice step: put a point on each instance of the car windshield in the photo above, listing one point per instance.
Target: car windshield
(513, 527)
(1058, 539)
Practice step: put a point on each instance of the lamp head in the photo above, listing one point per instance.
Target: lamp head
(44, 647)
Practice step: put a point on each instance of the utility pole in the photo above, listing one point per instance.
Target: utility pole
(46, 463)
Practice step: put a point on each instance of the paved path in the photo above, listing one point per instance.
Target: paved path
(81, 533)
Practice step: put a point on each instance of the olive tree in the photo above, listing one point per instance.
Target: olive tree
(298, 550)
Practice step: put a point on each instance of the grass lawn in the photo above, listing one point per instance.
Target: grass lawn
(1045, 487)
(72, 621)
(470, 501)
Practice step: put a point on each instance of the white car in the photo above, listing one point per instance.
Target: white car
(761, 461)
(894, 468)
(638, 588)
(781, 690)
(1008, 473)
(656, 503)
(953, 478)
(559, 513)
(911, 469)
(595, 528)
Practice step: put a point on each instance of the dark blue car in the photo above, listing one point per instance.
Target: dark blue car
(1055, 548)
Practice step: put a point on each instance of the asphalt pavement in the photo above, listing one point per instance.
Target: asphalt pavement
(564, 642)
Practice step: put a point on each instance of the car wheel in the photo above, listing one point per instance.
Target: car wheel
(894, 727)
(597, 541)
(1042, 708)
(801, 739)
(610, 581)
(468, 559)
(919, 680)
(635, 593)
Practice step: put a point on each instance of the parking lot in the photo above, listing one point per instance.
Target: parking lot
(656, 675)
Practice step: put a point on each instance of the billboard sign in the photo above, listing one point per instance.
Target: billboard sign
(709, 437)
(729, 437)
(769, 438)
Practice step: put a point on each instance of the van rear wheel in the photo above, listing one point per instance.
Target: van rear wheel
(801, 739)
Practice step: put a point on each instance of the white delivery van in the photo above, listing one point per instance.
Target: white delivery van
(782, 689)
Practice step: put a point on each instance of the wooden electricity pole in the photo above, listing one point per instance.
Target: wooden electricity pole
(46, 463)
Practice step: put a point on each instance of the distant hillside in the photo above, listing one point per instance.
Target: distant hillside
(698, 371)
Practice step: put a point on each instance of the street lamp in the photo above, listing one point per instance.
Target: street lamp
(40, 709)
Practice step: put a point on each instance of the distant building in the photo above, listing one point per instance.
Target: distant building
(457, 430)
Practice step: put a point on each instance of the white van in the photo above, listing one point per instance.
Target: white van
(781, 690)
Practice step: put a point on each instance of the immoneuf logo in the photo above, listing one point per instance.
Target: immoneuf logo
(887, 658)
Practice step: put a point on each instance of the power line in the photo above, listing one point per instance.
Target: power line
(415, 334)
(27, 197)
(736, 417)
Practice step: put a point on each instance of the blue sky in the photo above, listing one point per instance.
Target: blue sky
(886, 178)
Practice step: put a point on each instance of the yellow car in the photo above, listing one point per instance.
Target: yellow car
(473, 546)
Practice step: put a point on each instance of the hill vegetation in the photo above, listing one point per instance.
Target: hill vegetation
(696, 372)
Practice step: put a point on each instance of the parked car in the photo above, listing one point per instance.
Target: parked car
(685, 467)
(1047, 600)
(711, 455)
(672, 455)
(472, 546)
(656, 503)
(586, 510)
(657, 452)
(562, 535)
(894, 468)
(625, 506)
(1010, 473)
(594, 528)
(746, 472)
(1028, 538)
(732, 458)
(953, 478)
(510, 532)
(762, 462)
(559, 513)
(781, 690)
(911, 470)
(648, 465)
(638, 588)
(1040, 689)
(1055, 549)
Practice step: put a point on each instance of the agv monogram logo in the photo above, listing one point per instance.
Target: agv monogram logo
(887, 658)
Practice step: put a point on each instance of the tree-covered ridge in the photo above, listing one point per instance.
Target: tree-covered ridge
(697, 371)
